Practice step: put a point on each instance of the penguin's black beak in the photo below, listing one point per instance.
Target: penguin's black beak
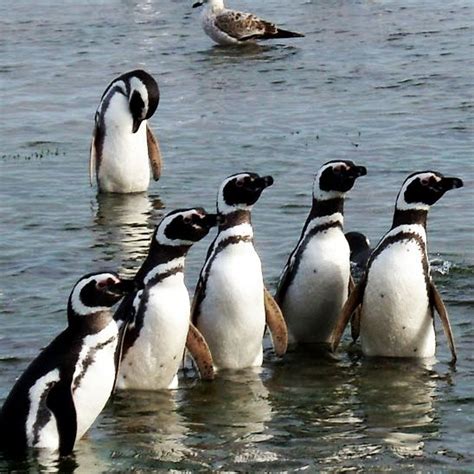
(357, 171)
(197, 4)
(446, 184)
(211, 220)
(136, 125)
(263, 182)
(123, 287)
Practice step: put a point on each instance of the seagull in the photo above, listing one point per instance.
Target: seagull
(227, 27)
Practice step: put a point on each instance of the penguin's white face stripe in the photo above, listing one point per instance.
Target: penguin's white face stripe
(137, 85)
(319, 193)
(77, 305)
(401, 202)
(163, 268)
(224, 208)
(36, 395)
(160, 236)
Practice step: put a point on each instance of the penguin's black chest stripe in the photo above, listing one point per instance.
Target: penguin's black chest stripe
(299, 252)
(233, 239)
(89, 360)
(133, 332)
(399, 238)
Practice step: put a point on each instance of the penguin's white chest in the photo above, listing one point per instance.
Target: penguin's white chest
(208, 22)
(153, 361)
(318, 289)
(124, 167)
(396, 320)
(232, 314)
(94, 376)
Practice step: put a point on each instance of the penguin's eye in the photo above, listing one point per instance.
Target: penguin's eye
(428, 181)
(187, 220)
(240, 182)
(338, 169)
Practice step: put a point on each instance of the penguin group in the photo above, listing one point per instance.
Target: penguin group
(141, 345)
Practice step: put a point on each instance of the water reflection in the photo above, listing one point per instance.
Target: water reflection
(152, 420)
(124, 224)
(396, 400)
(233, 410)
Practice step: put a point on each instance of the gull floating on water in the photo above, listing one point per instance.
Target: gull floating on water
(228, 27)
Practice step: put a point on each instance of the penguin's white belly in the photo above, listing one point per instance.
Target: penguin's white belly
(396, 319)
(94, 376)
(154, 359)
(210, 28)
(232, 314)
(124, 167)
(319, 289)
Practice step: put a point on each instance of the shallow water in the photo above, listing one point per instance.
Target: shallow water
(386, 85)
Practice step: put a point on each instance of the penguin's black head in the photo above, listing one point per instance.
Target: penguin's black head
(144, 96)
(335, 178)
(423, 188)
(184, 227)
(241, 191)
(97, 292)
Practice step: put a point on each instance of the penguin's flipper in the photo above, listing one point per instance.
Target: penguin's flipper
(154, 153)
(352, 303)
(355, 320)
(276, 323)
(199, 350)
(59, 400)
(437, 302)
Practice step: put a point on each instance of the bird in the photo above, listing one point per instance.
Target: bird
(157, 314)
(315, 282)
(230, 27)
(231, 306)
(124, 148)
(397, 296)
(359, 245)
(64, 389)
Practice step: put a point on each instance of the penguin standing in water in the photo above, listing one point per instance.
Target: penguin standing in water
(123, 146)
(315, 282)
(231, 305)
(64, 389)
(397, 295)
(158, 314)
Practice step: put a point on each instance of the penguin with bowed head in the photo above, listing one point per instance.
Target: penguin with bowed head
(315, 281)
(157, 315)
(124, 148)
(61, 393)
(397, 295)
(231, 306)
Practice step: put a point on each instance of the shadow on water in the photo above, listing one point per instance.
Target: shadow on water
(123, 226)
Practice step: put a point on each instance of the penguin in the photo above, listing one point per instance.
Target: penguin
(61, 393)
(397, 295)
(123, 147)
(231, 306)
(315, 281)
(158, 313)
(359, 245)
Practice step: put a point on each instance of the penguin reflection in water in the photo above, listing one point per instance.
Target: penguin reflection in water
(315, 282)
(123, 146)
(158, 313)
(231, 305)
(65, 388)
(397, 295)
